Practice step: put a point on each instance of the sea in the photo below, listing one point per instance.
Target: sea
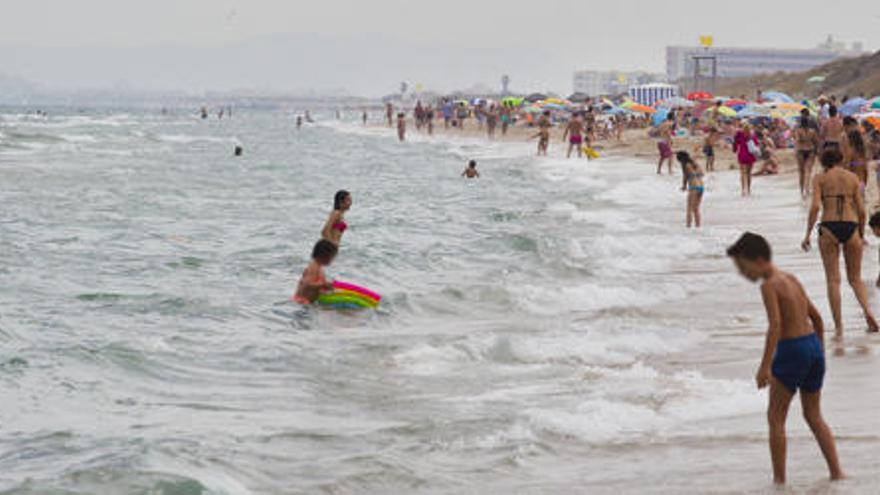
(549, 328)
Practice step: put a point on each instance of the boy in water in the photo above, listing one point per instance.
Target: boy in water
(471, 171)
(794, 352)
(401, 126)
(313, 281)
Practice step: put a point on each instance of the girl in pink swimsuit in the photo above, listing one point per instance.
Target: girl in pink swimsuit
(335, 225)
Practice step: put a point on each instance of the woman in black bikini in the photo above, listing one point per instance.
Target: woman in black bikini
(837, 193)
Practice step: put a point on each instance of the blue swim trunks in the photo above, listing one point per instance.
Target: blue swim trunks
(799, 363)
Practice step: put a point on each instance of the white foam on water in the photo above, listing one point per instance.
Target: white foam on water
(639, 403)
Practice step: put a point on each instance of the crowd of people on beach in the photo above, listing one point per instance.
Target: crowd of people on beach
(793, 360)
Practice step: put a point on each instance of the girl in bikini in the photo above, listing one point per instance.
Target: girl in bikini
(692, 182)
(336, 226)
(837, 193)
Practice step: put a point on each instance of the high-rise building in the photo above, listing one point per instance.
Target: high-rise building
(594, 82)
(741, 62)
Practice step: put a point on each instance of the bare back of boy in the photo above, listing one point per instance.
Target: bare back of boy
(787, 302)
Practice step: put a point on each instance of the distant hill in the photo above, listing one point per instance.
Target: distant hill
(851, 76)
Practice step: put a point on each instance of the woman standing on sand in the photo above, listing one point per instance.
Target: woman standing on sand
(806, 143)
(837, 193)
(831, 131)
(746, 147)
(692, 182)
(856, 157)
(335, 225)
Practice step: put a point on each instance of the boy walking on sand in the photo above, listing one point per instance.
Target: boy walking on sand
(794, 352)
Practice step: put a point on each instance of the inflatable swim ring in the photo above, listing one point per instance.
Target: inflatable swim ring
(349, 296)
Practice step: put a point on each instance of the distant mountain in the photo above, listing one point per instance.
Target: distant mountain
(851, 76)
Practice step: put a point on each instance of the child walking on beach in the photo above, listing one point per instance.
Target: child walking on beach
(794, 351)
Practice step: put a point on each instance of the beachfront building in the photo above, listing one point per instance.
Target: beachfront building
(595, 82)
(742, 62)
(648, 94)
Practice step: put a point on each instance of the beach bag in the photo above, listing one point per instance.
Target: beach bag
(753, 148)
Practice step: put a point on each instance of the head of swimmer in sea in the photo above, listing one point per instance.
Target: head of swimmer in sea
(324, 252)
(752, 256)
(472, 164)
(831, 158)
(342, 200)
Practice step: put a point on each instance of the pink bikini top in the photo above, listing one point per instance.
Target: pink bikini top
(340, 226)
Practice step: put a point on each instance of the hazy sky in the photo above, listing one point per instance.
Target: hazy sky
(369, 46)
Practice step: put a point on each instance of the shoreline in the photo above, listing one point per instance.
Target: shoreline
(776, 210)
(637, 145)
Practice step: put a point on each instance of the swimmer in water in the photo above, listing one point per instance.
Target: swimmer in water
(299, 121)
(471, 171)
(314, 282)
(335, 225)
(794, 352)
(238, 150)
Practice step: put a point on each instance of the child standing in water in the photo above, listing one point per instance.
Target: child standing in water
(313, 281)
(471, 171)
(794, 351)
(692, 182)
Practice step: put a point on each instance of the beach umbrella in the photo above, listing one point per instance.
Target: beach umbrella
(554, 106)
(536, 97)
(533, 109)
(578, 97)
(734, 103)
(853, 106)
(627, 104)
(614, 111)
(777, 96)
(789, 106)
(751, 111)
(554, 101)
(636, 108)
(659, 117)
(699, 95)
(726, 111)
(875, 103)
(512, 101)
